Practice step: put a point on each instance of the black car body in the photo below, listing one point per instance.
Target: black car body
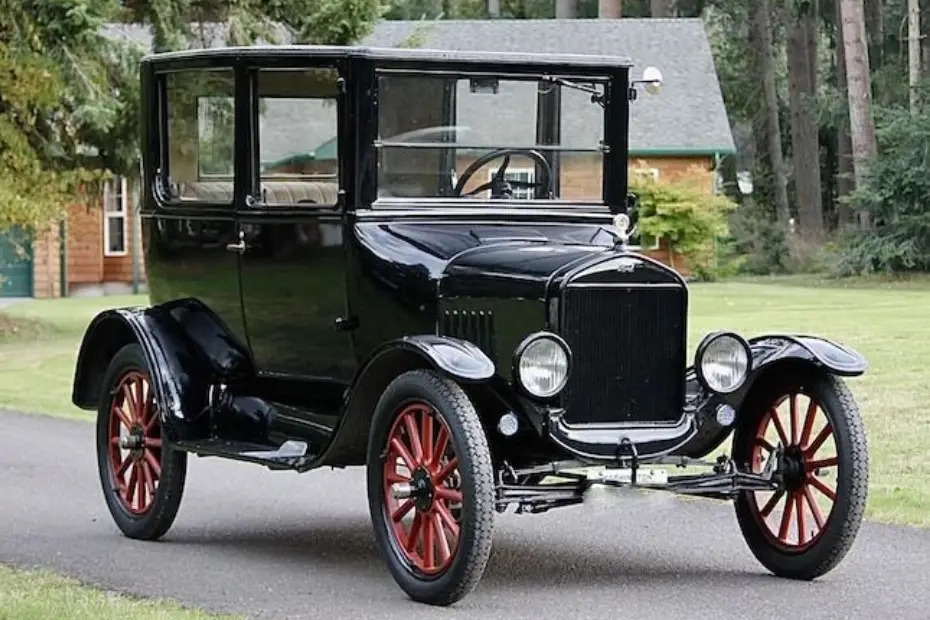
(298, 304)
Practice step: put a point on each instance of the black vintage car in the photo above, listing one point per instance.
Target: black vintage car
(422, 262)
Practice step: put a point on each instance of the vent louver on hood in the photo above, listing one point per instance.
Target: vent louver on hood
(475, 326)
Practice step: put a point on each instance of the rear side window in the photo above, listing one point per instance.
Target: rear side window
(199, 149)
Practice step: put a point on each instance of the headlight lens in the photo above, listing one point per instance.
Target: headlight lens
(542, 366)
(723, 362)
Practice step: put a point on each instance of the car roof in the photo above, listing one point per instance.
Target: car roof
(417, 56)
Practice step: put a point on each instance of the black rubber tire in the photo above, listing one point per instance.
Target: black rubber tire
(156, 522)
(477, 486)
(842, 525)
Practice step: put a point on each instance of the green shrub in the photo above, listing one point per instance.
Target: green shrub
(687, 214)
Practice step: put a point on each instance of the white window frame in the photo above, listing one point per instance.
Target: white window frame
(510, 174)
(108, 215)
(654, 173)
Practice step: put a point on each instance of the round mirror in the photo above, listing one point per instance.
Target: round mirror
(652, 78)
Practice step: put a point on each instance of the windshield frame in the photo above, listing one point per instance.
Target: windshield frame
(613, 147)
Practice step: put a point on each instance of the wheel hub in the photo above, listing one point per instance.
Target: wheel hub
(792, 467)
(421, 490)
(134, 441)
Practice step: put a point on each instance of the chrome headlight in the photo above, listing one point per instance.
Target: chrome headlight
(541, 364)
(723, 361)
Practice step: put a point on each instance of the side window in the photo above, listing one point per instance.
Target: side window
(200, 150)
(298, 128)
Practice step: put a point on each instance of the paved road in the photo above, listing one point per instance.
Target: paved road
(279, 545)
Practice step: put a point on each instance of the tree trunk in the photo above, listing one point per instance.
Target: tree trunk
(609, 9)
(859, 92)
(761, 38)
(845, 183)
(566, 9)
(494, 8)
(661, 8)
(913, 52)
(805, 138)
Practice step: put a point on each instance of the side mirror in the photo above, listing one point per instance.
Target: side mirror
(652, 78)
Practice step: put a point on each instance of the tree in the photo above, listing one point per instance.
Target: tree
(802, 87)
(609, 9)
(762, 41)
(661, 8)
(58, 106)
(913, 51)
(859, 91)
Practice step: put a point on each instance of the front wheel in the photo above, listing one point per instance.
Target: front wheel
(430, 487)
(806, 527)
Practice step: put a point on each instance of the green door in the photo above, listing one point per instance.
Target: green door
(15, 264)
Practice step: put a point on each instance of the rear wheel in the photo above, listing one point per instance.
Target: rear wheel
(430, 487)
(142, 479)
(804, 529)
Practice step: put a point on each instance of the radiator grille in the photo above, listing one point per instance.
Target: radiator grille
(628, 353)
(475, 326)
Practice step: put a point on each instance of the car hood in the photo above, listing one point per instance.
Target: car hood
(506, 260)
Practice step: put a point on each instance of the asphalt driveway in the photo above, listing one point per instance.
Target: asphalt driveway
(282, 545)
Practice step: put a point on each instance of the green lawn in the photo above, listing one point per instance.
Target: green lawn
(39, 595)
(887, 322)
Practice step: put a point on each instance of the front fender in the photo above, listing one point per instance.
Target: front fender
(770, 353)
(187, 348)
(459, 359)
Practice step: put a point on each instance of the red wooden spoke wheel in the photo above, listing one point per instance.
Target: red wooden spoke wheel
(420, 488)
(809, 425)
(135, 442)
(142, 476)
(430, 487)
(794, 517)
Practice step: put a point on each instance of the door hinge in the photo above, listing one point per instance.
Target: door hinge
(344, 324)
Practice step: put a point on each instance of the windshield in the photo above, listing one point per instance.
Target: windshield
(470, 136)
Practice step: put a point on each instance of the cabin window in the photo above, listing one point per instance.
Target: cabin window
(115, 212)
(297, 145)
(200, 132)
(433, 126)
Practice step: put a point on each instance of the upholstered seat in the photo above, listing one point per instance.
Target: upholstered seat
(275, 192)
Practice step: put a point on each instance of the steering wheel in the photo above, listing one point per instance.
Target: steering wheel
(499, 186)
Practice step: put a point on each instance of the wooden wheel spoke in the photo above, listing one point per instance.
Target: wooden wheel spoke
(824, 434)
(427, 437)
(413, 437)
(401, 451)
(393, 477)
(447, 519)
(402, 510)
(794, 418)
(129, 402)
(429, 543)
(808, 423)
(785, 520)
(123, 418)
(762, 443)
(124, 466)
(770, 505)
(450, 495)
(442, 442)
(833, 461)
(815, 509)
(799, 509)
(413, 535)
(139, 402)
(446, 470)
(153, 442)
(132, 485)
(820, 486)
(779, 428)
(443, 543)
(152, 462)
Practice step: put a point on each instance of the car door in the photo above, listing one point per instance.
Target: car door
(292, 265)
(189, 234)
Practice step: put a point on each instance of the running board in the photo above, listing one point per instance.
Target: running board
(289, 455)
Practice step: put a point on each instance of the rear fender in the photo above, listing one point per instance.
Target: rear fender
(187, 347)
(458, 359)
(771, 354)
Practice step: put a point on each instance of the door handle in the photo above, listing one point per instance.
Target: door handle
(236, 247)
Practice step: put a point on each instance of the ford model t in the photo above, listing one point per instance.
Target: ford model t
(422, 263)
